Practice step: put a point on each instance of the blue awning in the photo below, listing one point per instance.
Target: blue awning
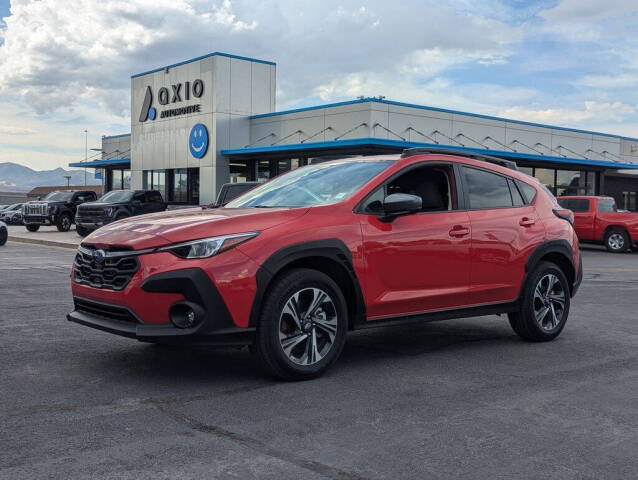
(318, 148)
(120, 162)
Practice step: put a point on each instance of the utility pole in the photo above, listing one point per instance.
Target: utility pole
(68, 180)
(86, 151)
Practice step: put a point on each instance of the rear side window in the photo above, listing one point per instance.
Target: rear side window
(139, 196)
(607, 206)
(487, 190)
(517, 198)
(154, 197)
(529, 192)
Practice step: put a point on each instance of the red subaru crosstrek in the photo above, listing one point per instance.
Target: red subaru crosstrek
(290, 266)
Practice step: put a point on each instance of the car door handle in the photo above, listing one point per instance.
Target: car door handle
(526, 222)
(459, 231)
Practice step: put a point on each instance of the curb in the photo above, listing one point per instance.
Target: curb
(47, 243)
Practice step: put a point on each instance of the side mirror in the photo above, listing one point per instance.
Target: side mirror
(399, 204)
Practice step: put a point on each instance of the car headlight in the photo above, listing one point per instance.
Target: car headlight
(207, 247)
(109, 211)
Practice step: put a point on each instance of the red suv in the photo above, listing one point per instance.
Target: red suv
(290, 266)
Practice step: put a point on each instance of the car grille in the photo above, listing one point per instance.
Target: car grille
(112, 273)
(110, 312)
(36, 209)
(90, 212)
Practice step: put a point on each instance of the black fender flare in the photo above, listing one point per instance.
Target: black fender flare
(331, 249)
(560, 247)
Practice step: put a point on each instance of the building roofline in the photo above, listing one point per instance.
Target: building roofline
(443, 110)
(101, 163)
(213, 54)
(382, 142)
(117, 136)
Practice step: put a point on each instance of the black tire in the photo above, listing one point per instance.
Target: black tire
(268, 347)
(81, 231)
(121, 216)
(524, 322)
(4, 234)
(64, 222)
(32, 227)
(617, 241)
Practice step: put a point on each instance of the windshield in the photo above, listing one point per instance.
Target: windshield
(59, 196)
(117, 196)
(320, 184)
(15, 206)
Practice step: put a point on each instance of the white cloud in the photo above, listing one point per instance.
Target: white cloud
(591, 111)
(13, 130)
(624, 80)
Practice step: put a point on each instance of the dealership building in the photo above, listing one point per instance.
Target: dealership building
(198, 124)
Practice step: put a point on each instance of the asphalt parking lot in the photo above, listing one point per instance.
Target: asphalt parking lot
(455, 399)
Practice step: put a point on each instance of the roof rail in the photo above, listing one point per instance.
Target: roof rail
(408, 152)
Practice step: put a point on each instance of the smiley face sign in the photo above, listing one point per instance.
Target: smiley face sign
(198, 140)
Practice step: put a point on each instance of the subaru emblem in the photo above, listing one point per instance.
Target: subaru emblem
(99, 256)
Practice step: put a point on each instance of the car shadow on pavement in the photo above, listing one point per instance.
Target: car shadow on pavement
(206, 364)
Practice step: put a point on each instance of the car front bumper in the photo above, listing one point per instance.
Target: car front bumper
(39, 220)
(142, 309)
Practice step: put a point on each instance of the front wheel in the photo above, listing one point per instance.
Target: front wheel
(82, 231)
(4, 234)
(32, 227)
(64, 222)
(302, 326)
(616, 241)
(544, 304)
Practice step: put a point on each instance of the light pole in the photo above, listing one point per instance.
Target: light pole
(86, 151)
(68, 180)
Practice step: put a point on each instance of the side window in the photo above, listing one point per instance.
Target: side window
(517, 198)
(154, 197)
(607, 206)
(487, 190)
(80, 198)
(529, 192)
(434, 184)
(578, 205)
(139, 196)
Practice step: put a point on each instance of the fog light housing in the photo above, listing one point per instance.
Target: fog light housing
(186, 314)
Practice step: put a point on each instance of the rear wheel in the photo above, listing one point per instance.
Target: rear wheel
(302, 326)
(32, 227)
(64, 222)
(617, 241)
(4, 234)
(82, 231)
(544, 304)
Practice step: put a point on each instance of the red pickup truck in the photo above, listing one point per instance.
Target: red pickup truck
(597, 220)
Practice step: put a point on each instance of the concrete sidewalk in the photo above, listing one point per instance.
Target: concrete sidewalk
(45, 236)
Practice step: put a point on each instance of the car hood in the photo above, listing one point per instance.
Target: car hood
(158, 229)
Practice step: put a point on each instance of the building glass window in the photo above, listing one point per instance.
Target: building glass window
(193, 186)
(126, 179)
(116, 179)
(264, 170)
(179, 192)
(546, 176)
(240, 171)
(570, 182)
(527, 171)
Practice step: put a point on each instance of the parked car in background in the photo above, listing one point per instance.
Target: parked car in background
(597, 220)
(57, 208)
(292, 265)
(116, 205)
(230, 191)
(4, 233)
(12, 215)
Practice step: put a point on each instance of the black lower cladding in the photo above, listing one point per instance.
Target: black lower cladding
(216, 328)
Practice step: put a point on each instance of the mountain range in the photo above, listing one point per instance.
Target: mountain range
(18, 178)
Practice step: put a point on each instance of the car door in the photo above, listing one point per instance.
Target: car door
(505, 230)
(155, 203)
(419, 262)
(583, 217)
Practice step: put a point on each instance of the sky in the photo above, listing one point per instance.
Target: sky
(65, 65)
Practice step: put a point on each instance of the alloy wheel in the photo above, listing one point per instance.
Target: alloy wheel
(308, 326)
(549, 302)
(616, 241)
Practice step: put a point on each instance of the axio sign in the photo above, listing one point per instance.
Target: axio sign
(178, 93)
